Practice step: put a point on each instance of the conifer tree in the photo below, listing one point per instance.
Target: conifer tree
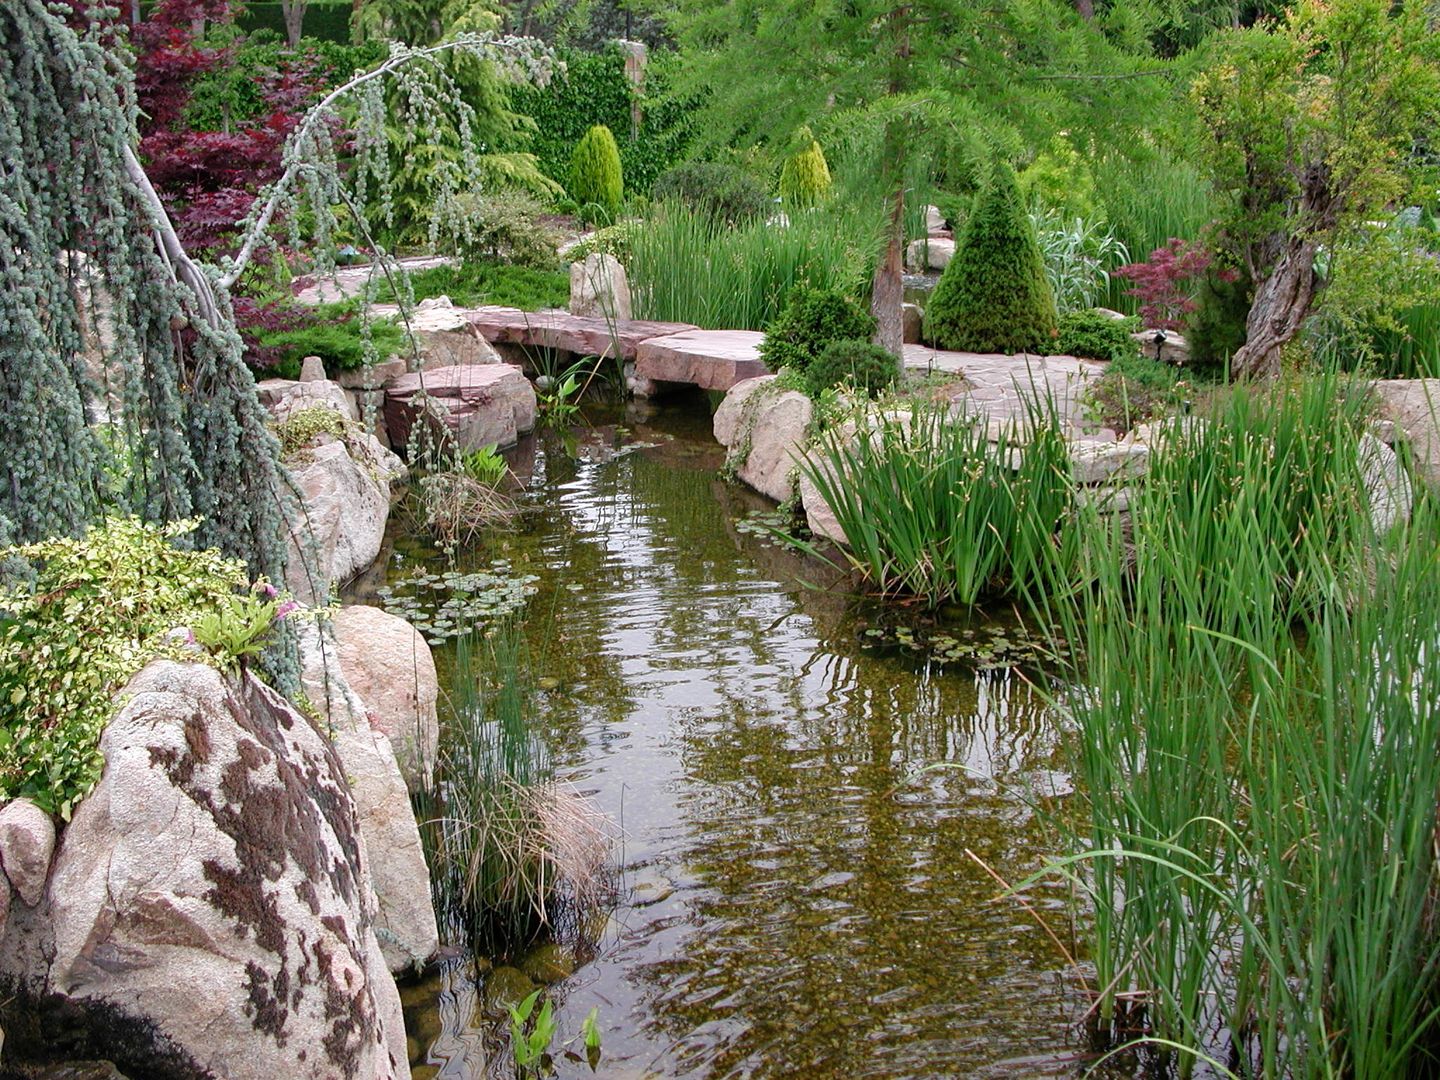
(805, 176)
(993, 295)
(595, 175)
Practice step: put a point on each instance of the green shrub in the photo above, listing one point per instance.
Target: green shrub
(595, 90)
(805, 176)
(1060, 180)
(1135, 389)
(506, 226)
(475, 283)
(337, 336)
(99, 608)
(1216, 328)
(725, 193)
(1093, 335)
(303, 426)
(595, 177)
(613, 240)
(993, 297)
(811, 320)
(852, 362)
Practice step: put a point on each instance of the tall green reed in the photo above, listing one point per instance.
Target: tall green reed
(1147, 201)
(686, 267)
(512, 853)
(1258, 750)
(931, 507)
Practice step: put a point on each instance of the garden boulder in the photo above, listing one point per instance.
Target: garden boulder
(285, 397)
(1173, 350)
(1412, 409)
(929, 253)
(27, 841)
(405, 913)
(479, 404)
(599, 288)
(444, 337)
(765, 431)
(388, 664)
(209, 910)
(344, 485)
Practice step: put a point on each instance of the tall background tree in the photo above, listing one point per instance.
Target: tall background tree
(906, 89)
(1312, 128)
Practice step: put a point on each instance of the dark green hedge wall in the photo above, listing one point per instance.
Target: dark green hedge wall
(595, 91)
(328, 21)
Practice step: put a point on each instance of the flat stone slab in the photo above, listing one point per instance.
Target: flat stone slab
(483, 404)
(568, 333)
(999, 385)
(709, 359)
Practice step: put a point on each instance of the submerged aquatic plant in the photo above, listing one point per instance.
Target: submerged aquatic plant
(514, 853)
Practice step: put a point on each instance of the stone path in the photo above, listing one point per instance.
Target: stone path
(350, 281)
(1000, 385)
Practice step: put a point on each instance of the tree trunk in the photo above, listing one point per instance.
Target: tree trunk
(1086, 8)
(887, 294)
(1282, 300)
(293, 11)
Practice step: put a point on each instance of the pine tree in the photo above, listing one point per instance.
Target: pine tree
(993, 296)
(805, 176)
(595, 175)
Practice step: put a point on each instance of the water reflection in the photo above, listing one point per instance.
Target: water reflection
(803, 900)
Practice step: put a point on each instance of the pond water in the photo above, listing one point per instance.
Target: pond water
(796, 894)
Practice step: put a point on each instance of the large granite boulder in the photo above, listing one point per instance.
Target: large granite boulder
(388, 664)
(285, 397)
(27, 841)
(209, 910)
(766, 433)
(929, 253)
(344, 487)
(405, 914)
(1411, 408)
(599, 288)
(444, 337)
(479, 404)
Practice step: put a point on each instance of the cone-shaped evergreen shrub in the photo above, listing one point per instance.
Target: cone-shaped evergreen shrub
(595, 176)
(993, 297)
(805, 176)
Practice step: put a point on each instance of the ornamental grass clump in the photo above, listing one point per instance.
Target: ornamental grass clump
(930, 507)
(89, 614)
(513, 852)
(1257, 744)
(994, 295)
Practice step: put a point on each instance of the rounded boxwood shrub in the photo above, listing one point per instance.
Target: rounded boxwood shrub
(811, 320)
(993, 297)
(595, 177)
(853, 362)
(805, 176)
(1094, 335)
(725, 193)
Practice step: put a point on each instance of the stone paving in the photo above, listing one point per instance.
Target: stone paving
(1000, 385)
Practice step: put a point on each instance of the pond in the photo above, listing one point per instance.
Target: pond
(798, 895)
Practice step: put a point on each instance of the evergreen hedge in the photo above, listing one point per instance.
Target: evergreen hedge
(993, 297)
